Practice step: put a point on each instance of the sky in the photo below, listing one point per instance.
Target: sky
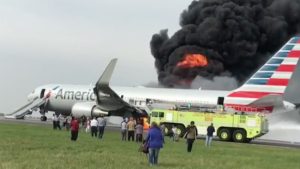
(71, 42)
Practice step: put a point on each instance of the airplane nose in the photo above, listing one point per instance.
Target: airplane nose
(29, 97)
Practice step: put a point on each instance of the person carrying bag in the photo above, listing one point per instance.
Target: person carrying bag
(191, 136)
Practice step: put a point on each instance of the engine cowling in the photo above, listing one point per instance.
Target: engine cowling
(87, 109)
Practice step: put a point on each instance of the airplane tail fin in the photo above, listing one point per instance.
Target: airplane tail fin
(264, 90)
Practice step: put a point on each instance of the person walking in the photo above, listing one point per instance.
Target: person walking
(155, 142)
(191, 136)
(210, 131)
(54, 119)
(74, 129)
(58, 121)
(123, 129)
(174, 132)
(139, 132)
(130, 129)
(94, 127)
(101, 126)
(83, 121)
(67, 123)
(162, 128)
(88, 125)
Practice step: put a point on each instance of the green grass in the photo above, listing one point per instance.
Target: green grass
(25, 146)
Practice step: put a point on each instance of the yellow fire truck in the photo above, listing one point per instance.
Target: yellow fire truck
(237, 127)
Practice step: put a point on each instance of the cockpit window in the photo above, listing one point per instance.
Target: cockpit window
(55, 88)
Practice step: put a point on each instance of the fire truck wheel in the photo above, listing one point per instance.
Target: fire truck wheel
(224, 134)
(181, 130)
(239, 136)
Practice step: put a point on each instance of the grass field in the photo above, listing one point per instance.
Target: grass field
(25, 146)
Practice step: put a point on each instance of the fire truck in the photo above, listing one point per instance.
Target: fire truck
(233, 126)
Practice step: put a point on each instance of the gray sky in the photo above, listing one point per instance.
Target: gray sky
(71, 41)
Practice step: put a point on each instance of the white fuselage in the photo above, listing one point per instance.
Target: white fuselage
(64, 97)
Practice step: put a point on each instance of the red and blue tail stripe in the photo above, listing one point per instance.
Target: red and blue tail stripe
(271, 79)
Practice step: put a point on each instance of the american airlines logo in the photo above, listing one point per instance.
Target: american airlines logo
(77, 95)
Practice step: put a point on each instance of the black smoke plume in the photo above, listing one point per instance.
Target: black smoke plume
(235, 35)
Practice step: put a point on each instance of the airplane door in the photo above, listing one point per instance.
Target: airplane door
(42, 93)
(220, 100)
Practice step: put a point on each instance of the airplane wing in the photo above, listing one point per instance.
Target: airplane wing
(107, 99)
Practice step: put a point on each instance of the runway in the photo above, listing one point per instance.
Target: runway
(37, 121)
(265, 140)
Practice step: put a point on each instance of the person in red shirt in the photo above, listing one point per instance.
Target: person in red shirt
(74, 129)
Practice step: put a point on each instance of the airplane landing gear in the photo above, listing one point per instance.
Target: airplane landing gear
(43, 118)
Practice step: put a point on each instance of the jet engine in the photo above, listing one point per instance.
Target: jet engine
(87, 109)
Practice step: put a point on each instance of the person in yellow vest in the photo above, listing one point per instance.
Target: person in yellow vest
(130, 129)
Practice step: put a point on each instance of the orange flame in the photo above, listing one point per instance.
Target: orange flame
(193, 60)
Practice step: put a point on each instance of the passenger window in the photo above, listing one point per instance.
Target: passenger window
(161, 114)
(131, 101)
(154, 114)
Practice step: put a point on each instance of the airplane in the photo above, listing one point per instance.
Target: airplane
(261, 93)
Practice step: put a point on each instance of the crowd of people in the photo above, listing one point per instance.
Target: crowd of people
(133, 130)
(57, 119)
(97, 126)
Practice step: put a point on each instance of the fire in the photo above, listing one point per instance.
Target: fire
(193, 60)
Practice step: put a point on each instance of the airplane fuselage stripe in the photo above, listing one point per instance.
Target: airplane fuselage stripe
(244, 94)
(278, 82)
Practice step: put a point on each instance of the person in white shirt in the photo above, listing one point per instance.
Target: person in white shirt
(123, 130)
(174, 131)
(58, 121)
(101, 126)
(94, 125)
(54, 119)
